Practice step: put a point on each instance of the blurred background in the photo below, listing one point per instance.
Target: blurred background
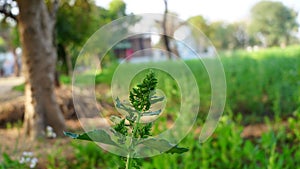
(258, 45)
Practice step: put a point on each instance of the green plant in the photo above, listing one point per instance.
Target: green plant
(128, 132)
(270, 77)
(8, 162)
(19, 88)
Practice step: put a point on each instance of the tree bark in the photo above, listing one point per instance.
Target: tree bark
(67, 59)
(165, 36)
(17, 66)
(36, 25)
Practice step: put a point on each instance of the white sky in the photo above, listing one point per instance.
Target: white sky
(226, 10)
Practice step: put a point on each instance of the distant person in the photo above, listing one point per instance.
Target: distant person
(8, 67)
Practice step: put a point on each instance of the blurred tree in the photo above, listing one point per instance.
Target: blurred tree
(117, 8)
(169, 25)
(36, 22)
(164, 26)
(240, 37)
(221, 35)
(273, 23)
(201, 24)
(228, 36)
(76, 21)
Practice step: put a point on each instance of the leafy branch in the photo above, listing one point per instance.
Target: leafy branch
(130, 133)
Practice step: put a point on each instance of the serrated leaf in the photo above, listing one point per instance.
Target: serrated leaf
(100, 136)
(152, 113)
(120, 105)
(163, 146)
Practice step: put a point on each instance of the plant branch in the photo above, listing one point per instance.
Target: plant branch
(132, 142)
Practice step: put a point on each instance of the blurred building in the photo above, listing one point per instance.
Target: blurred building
(125, 48)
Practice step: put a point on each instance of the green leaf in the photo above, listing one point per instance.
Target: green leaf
(139, 97)
(144, 131)
(178, 150)
(123, 107)
(100, 136)
(156, 99)
(152, 113)
(115, 119)
(163, 145)
(121, 128)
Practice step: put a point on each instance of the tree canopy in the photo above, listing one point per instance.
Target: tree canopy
(275, 22)
(76, 22)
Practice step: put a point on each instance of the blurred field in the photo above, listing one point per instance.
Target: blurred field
(263, 83)
(259, 127)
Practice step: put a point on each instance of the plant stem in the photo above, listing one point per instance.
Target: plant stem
(128, 162)
(136, 125)
(132, 142)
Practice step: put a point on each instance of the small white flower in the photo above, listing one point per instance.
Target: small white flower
(32, 165)
(27, 153)
(35, 160)
(22, 160)
(27, 159)
(50, 133)
(49, 128)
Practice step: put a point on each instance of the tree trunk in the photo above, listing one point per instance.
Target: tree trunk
(17, 66)
(65, 57)
(68, 62)
(36, 25)
(165, 36)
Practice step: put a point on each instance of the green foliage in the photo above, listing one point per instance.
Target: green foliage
(121, 131)
(62, 79)
(8, 162)
(145, 131)
(2, 45)
(65, 79)
(221, 35)
(95, 135)
(268, 77)
(262, 83)
(201, 23)
(19, 88)
(117, 8)
(71, 36)
(275, 22)
(83, 155)
(141, 98)
(272, 24)
(276, 148)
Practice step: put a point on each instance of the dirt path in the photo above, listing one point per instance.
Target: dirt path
(6, 85)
